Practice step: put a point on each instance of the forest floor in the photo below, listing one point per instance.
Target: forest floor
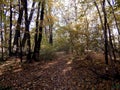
(62, 73)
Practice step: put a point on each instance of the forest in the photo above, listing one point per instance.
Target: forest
(59, 44)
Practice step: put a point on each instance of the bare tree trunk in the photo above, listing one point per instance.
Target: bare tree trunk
(27, 32)
(26, 38)
(40, 32)
(50, 34)
(5, 30)
(100, 17)
(21, 53)
(111, 44)
(31, 13)
(104, 28)
(36, 32)
(17, 32)
(47, 34)
(105, 32)
(2, 57)
(27, 22)
(115, 21)
(10, 34)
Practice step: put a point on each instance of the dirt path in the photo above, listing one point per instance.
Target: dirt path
(53, 75)
(59, 74)
(56, 75)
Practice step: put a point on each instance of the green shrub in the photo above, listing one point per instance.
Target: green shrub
(47, 52)
(63, 47)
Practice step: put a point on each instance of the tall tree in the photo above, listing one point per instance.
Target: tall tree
(39, 37)
(111, 43)
(10, 34)
(105, 32)
(1, 31)
(27, 22)
(26, 38)
(115, 19)
(27, 33)
(36, 32)
(51, 34)
(17, 31)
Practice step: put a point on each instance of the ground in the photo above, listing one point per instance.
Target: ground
(62, 73)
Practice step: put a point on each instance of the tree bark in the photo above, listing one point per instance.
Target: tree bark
(100, 17)
(10, 34)
(27, 23)
(38, 43)
(2, 57)
(36, 32)
(104, 28)
(51, 35)
(17, 32)
(26, 38)
(31, 13)
(115, 20)
(111, 44)
(105, 33)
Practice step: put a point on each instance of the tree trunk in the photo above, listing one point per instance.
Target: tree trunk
(51, 35)
(115, 21)
(10, 34)
(2, 57)
(111, 44)
(104, 28)
(38, 43)
(27, 23)
(31, 13)
(105, 33)
(26, 38)
(36, 33)
(100, 17)
(17, 32)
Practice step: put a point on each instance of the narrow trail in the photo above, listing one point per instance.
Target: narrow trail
(60, 74)
(53, 75)
(56, 75)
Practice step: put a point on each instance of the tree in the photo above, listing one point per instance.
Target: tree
(36, 32)
(1, 32)
(27, 33)
(10, 34)
(17, 31)
(39, 36)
